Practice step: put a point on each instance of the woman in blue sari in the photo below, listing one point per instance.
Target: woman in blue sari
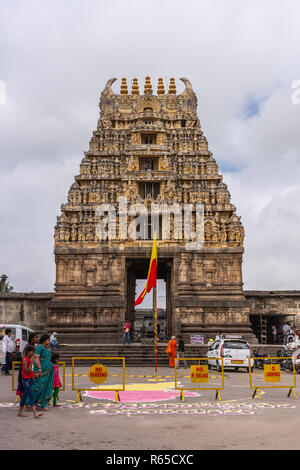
(43, 371)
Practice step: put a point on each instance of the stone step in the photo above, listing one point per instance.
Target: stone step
(135, 354)
(138, 354)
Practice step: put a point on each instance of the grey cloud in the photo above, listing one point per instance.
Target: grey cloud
(55, 59)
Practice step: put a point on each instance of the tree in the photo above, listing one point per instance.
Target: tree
(8, 287)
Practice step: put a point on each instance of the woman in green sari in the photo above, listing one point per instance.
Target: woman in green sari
(43, 371)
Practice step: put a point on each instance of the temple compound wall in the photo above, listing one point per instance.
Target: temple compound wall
(28, 309)
(31, 309)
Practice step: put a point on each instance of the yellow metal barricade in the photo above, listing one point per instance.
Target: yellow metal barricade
(199, 373)
(13, 364)
(60, 363)
(98, 374)
(272, 375)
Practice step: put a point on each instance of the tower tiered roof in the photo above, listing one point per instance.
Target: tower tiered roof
(148, 148)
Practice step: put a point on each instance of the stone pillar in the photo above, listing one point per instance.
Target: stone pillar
(3, 283)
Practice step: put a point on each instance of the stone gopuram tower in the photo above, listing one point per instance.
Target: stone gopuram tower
(150, 149)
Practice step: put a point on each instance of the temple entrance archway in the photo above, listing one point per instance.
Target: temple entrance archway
(140, 318)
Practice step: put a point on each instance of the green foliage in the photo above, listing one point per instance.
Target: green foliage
(8, 287)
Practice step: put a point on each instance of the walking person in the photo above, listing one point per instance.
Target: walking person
(7, 348)
(56, 380)
(43, 369)
(180, 353)
(296, 335)
(33, 340)
(126, 331)
(286, 331)
(27, 381)
(171, 351)
(274, 334)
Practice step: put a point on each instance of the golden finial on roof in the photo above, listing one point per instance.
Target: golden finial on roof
(124, 89)
(148, 86)
(172, 86)
(135, 87)
(160, 87)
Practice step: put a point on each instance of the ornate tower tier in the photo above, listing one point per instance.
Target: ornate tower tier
(148, 152)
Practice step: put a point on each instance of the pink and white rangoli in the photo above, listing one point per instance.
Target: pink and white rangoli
(142, 393)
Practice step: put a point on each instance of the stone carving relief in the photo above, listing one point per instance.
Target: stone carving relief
(105, 168)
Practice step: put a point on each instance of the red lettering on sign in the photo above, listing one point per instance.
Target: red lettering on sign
(98, 374)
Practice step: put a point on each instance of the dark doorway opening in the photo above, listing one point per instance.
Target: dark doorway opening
(262, 327)
(141, 318)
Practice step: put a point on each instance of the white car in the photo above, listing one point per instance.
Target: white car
(234, 350)
(20, 335)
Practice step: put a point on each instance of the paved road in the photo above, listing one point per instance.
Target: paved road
(156, 418)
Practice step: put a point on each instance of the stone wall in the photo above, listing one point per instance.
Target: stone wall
(271, 303)
(31, 309)
(25, 309)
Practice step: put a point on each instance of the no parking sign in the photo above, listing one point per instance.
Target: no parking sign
(272, 373)
(98, 373)
(199, 374)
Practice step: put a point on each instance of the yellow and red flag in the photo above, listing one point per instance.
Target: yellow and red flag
(152, 273)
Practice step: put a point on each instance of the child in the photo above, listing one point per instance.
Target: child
(56, 381)
(33, 340)
(27, 380)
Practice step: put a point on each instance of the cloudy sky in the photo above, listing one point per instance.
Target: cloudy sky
(242, 58)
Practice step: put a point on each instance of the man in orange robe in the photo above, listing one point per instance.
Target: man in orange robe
(171, 351)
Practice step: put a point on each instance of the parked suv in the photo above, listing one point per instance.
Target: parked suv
(234, 350)
(19, 334)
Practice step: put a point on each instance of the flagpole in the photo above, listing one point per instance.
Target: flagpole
(155, 330)
(151, 284)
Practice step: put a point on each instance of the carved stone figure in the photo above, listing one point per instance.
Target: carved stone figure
(131, 164)
(170, 191)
